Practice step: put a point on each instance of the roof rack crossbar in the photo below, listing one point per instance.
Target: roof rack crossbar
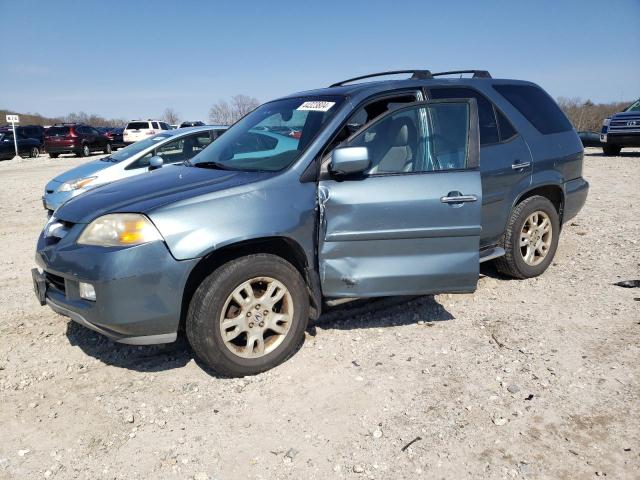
(415, 75)
(476, 73)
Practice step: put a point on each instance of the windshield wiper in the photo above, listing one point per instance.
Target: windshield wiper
(209, 164)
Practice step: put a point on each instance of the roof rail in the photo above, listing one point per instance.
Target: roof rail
(476, 73)
(415, 75)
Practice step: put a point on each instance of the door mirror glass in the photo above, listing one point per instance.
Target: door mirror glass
(349, 160)
(155, 162)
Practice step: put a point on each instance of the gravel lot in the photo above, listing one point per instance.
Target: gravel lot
(523, 379)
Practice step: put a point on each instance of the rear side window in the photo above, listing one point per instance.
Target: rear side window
(504, 126)
(155, 125)
(537, 106)
(137, 125)
(486, 116)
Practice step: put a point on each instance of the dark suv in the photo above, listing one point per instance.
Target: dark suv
(75, 138)
(621, 130)
(395, 187)
(35, 132)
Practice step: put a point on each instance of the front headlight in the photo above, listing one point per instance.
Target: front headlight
(119, 230)
(76, 184)
(606, 121)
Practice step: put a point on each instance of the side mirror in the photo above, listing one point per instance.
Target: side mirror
(349, 160)
(155, 162)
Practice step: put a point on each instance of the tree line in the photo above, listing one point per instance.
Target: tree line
(583, 114)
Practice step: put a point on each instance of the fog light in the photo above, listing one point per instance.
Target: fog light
(87, 291)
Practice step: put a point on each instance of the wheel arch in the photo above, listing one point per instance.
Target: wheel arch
(281, 246)
(551, 191)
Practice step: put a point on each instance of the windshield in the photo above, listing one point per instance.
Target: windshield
(131, 150)
(271, 137)
(635, 107)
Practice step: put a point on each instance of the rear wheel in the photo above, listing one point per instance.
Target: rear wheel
(531, 238)
(249, 315)
(107, 148)
(34, 152)
(86, 151)
(611, 150)
(54, 155)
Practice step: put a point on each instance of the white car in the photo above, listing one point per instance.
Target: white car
(140, 129)
(173, 146)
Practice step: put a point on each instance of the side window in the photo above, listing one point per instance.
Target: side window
(369, 112)
(155, 125)
(504, 126)
(538, 107)
(164, 126)
(418, 139)
(486, 116)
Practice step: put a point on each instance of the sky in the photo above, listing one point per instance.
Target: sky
(126, 59)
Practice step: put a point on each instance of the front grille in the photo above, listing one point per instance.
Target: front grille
(56, 230)
(54, 281)
(626, 124)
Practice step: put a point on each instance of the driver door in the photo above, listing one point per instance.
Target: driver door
(411, 222)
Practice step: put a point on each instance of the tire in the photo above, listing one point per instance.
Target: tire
(54, 155)
(85, 152)
(611, 150)
(107, 149)
(34, 152)
(513, 263)
(214, 300)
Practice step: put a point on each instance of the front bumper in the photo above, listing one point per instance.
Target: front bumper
(575, 196)
(138, 289)
(620, 140)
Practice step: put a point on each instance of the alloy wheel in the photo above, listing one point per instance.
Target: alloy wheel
(256, 317)
(535, 238)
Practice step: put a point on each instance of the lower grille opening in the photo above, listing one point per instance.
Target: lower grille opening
(55, 281)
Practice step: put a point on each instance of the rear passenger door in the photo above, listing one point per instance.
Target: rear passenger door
(505, 161)
(411, 223)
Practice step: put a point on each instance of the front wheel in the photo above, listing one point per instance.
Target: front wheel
(611, 150)
(531, 238)
(34, 152)
(249, 315)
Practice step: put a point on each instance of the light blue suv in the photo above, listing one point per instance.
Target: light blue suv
(396, 187)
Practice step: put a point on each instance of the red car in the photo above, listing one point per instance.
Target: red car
(75, 138)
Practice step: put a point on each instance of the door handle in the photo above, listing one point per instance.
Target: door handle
(518, 166)
(457, 197)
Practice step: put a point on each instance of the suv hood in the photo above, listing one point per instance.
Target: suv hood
(83, 171)
(144, 193)
(625, 114)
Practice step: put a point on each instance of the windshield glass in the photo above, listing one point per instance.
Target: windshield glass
(635, 107)
(271, 137)
(131, 150)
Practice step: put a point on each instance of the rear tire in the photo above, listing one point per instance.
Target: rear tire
(34, 152)
(529, 250)
(611, 150)
(247, 345)
(107, 149)
(54, 155)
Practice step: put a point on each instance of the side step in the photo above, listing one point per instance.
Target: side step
(491, 253)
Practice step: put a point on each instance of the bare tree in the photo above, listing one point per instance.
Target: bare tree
(586, 115)
(170, 116)
(228, 112)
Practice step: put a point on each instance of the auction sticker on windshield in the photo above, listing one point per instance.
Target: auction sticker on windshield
(316, 106)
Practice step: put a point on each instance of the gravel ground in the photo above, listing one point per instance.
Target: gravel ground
(523, 379)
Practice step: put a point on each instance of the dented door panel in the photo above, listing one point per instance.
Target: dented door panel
(393, 235)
